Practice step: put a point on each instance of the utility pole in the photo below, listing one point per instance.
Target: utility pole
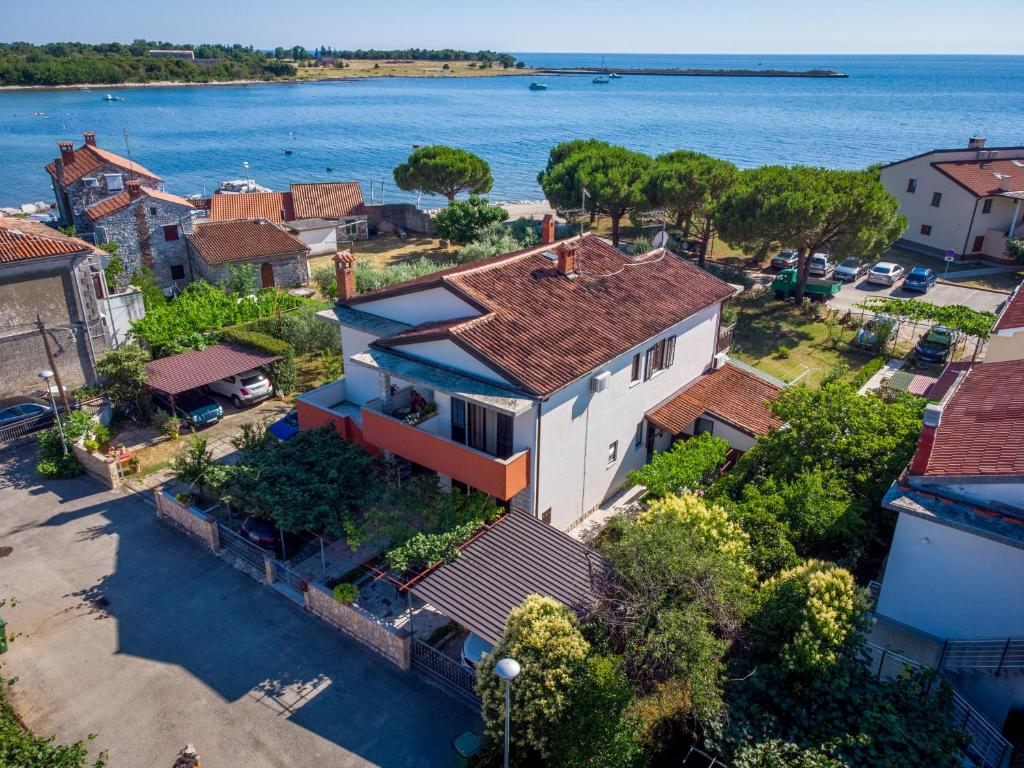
(53, 367)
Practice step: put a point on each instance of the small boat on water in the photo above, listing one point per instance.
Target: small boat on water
(538, 87)
(287, 151)
(614, 75)
(111, 97)
(601, 80)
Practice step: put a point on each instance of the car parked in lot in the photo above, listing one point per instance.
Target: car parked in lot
(194, 407)
(885, 273)
(919, 279)
(286, 427)
(785, 260)
(851, 269)
(267, 536)
(820, 266)
(246, 388)
(875, 334)
(934, 346)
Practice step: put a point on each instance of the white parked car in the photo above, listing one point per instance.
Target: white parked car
(245, 388)
(820, 266)
(885, 273)
(473, 650)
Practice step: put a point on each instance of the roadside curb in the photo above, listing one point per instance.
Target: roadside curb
(972, 287)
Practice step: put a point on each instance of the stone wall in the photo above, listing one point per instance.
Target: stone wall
(99, 467)
(81, 196)
(196, 523)
(139, 231)
(395, 645)
(290, 270)
(404, 215)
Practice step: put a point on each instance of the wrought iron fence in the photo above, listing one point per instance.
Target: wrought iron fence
(241, 547)
(444, 669)
(285, 574)
(15, 433)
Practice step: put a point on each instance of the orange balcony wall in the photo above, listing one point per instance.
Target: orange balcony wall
(502, 478)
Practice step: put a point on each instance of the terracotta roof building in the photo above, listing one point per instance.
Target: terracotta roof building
(280, 256)
(22, 239)
(271, 206)
(328, 200)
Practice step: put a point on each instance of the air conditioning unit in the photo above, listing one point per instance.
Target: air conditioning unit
(721, 359)
(599, 382)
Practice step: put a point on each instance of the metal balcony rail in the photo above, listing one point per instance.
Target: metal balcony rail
(995, 654)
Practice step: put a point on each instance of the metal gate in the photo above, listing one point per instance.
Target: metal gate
(442, 668)
(285, 574)
(241, 547)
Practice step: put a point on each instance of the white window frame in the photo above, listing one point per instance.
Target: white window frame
(613, 452)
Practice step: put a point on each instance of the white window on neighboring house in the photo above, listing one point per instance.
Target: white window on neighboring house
(613, 453)
(659, 357)
(634, 373)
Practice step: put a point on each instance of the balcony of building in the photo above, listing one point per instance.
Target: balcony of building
(327, 405)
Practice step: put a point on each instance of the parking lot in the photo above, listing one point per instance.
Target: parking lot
(943, 294)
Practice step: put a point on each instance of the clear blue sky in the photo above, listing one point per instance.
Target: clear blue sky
(655, 26)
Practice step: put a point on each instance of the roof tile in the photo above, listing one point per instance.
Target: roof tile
(88, 158)
(272, 206)
(21, 240)
(985, 181)
(328, 200)
(218, 242)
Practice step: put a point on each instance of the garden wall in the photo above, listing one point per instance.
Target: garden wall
(194, 522)
(404, 215)
(100, 467)
(395, 645)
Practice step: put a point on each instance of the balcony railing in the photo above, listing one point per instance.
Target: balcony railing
(725, 337)
(503, 478)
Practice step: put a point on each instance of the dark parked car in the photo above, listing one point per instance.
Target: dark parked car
(25, 410)
(919, 279)
(286, 427)
(265, 535)
(935, 346)
(194, 407)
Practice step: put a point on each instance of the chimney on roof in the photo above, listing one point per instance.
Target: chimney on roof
(67, 151)
(547, 229)
(345, 275)
(1004, 181)
(567, 259)
(134, 187)
(976, 142)
(90, 138)
(932, 418)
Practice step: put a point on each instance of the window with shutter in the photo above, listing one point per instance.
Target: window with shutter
(634, 374)
(648, 363)
(670, 351)
(459, 420)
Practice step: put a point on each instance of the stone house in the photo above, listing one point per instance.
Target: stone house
(83, 177)
(150, 227)
(59, 279)
(281, 257)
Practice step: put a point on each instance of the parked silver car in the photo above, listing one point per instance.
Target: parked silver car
(851, 270)
(245, 388)
(785, 260)
(885, 273)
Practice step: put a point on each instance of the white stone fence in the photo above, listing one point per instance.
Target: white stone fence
(191, 520)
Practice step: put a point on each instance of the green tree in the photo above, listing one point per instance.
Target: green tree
(241, 280)
(564, 190)
(463, 220)
(809, 210)
(494, 240)
(543, 636)
(123, 371)
(196, 467)
(689, 185)
(776, 753)
(688, 465)
(441, 170)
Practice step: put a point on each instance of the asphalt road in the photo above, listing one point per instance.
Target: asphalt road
(942, 294)
(128, 630)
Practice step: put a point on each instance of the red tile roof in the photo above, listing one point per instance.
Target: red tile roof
(982, 424)
(198, 367)
(223, 241)
(329, 200)
(89, 158)
(947, 379)
(21, 240)
(986, 181)
(542, 330)
(272, 206)
(121, 201)
(729, 394)
(1012, 315)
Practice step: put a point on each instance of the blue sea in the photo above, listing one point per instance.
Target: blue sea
(197, 136)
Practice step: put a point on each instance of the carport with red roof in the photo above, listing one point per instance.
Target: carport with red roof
(199, 367)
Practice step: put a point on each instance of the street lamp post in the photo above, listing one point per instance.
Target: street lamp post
(46, 376)
(507, 670)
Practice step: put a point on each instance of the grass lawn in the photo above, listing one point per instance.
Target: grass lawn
(382, 251)
(762, 328)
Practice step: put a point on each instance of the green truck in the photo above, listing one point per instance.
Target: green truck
(815, 289)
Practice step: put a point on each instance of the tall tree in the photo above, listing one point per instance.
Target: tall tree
(564, 190)
(809, 210)
(689, 186)
(441, 170)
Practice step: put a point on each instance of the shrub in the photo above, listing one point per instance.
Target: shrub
(167, 425)
(1015, 249)
(463, 220)
(369, 278)
(53, 464)
(253, 436)
(326, 281)
(345, 592)
(782, 352)
(733, 275)
(687, 465)
(426, 549)
(123, 371)
(241, 280)
(196, 467)
(492, 241)
(872, 367)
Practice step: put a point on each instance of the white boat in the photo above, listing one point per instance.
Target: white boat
(614, 75)
(601, 80)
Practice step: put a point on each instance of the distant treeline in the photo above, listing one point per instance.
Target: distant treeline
(112, 63)
(419, 54)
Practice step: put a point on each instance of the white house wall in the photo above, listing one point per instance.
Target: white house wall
(320, 241)
(734, 437)
(431, 305)
(950, 583)
(361, 384)
(578, 425)
(450, 355)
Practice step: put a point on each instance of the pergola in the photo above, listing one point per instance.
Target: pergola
(199, 367)
(517, 556)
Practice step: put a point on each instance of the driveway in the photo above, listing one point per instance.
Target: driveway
(943, 294)
(129, 630)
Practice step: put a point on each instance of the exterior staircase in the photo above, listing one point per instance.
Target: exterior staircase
(995, 655)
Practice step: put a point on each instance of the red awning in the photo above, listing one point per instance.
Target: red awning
(179, 373)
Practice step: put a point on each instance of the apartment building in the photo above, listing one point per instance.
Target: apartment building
(541, 377)
(964, 201)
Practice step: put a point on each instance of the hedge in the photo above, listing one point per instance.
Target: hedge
(282, 372)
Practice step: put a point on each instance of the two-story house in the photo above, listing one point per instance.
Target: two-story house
(541, 377)
(964, 201)
(84, 176)
(952, 593)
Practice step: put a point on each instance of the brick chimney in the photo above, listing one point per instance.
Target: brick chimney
(567, 259)
(932, 418)
(976, 142)
(134, 187)
(345, 275)
(67, 151)
(90, 138)
(547, 229)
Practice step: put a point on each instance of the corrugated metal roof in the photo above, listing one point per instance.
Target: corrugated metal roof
(518, 556)
(199, 367)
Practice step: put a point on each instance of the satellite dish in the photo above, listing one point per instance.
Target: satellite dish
(660, 240)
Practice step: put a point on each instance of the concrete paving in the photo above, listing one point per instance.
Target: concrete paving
(129, 630)
(942, 294)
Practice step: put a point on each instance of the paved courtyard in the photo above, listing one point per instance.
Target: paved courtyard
(943, 294)
(128, 630)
